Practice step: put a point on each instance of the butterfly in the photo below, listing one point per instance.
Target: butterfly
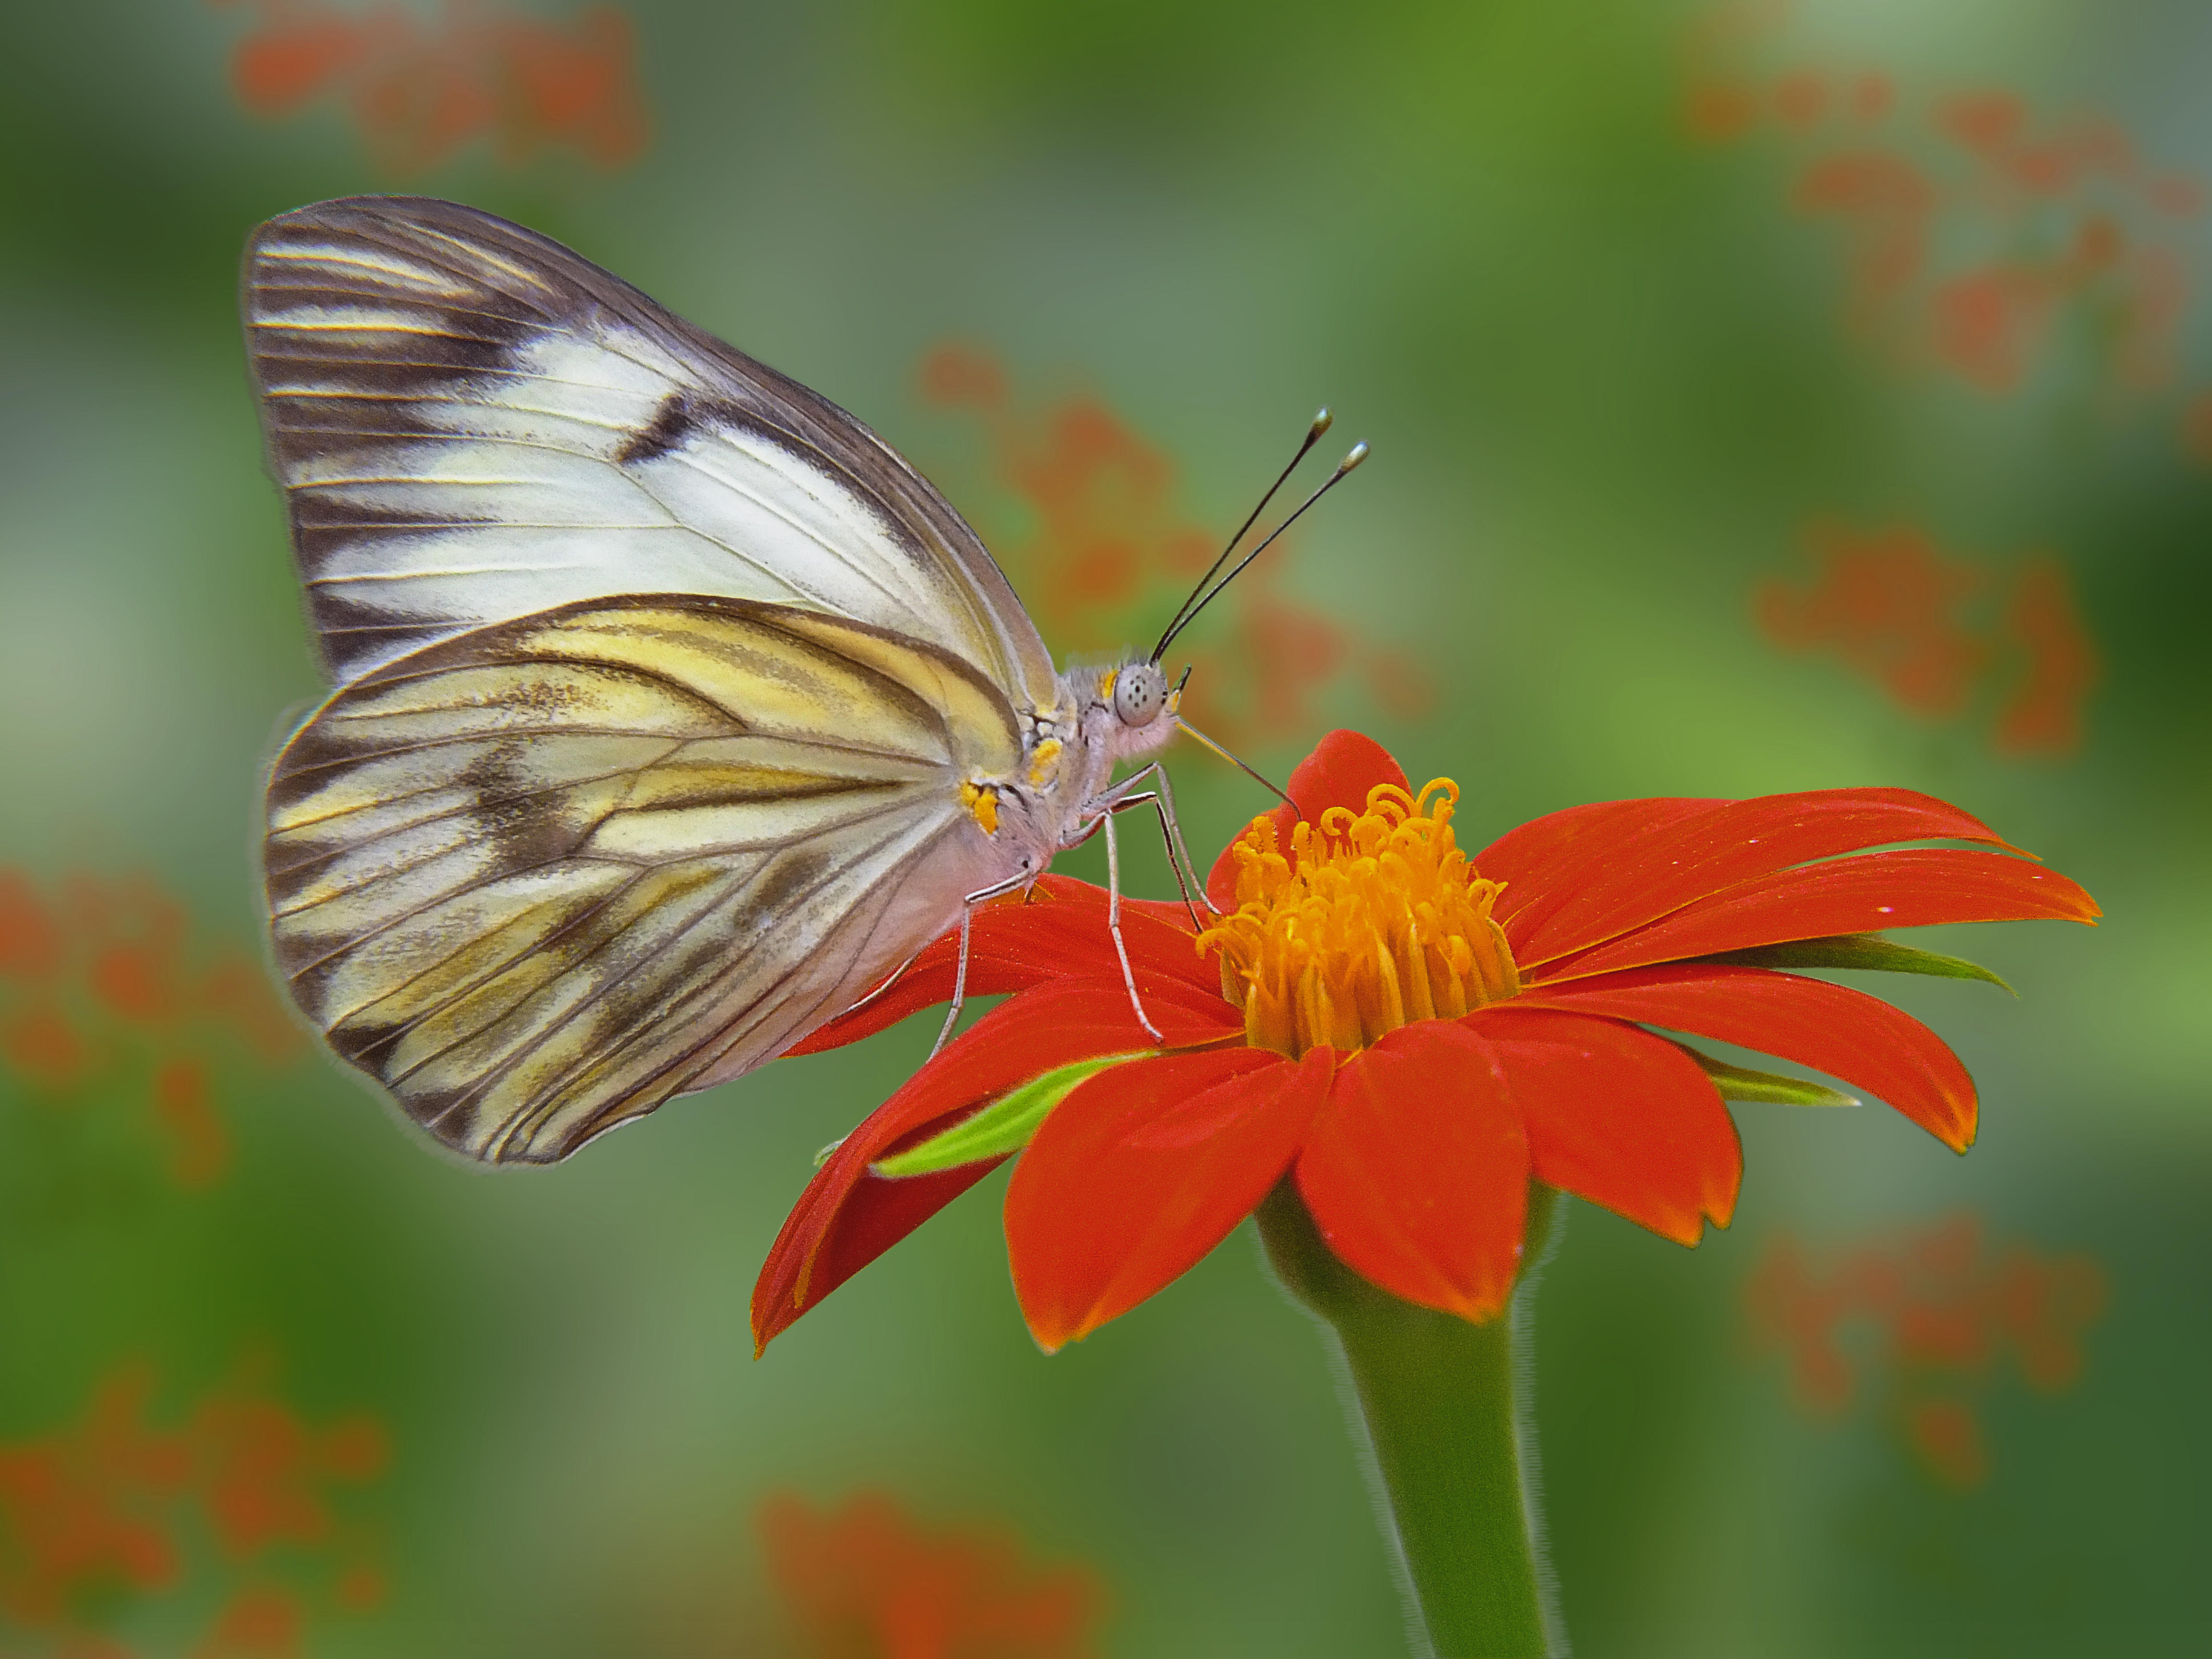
(674, 710)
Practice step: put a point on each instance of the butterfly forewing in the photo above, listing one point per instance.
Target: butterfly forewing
(473, 424)
(538, 879)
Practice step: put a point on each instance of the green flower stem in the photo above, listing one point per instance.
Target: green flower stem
(1451, 1447)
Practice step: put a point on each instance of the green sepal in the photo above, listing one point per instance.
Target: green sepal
(1735, 1083)
(1003, 1126)
(1868, 951)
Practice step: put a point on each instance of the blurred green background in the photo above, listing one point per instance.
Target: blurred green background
(1762, 397)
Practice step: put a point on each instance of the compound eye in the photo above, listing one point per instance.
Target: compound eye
(1139, 692)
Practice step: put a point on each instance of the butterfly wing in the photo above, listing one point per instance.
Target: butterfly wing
(472, 424)
(658, 678)
(539, 877)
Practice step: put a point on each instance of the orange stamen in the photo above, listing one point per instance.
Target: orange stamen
(1374, 920)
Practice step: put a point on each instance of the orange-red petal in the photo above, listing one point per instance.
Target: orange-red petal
(1656, 871)
(1617, 1116)
(1417, 1170)
(846, 1217)
(1142, 1170)
(1542, 859)
(1830, 1028)
(1915, 888)
(1343, 767)
(1061, 933)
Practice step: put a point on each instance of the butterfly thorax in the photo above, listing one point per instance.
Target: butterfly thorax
(1069, 751)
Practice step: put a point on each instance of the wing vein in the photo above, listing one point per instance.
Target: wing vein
(534, 1109)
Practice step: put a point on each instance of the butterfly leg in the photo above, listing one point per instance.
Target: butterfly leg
(1178, 853)
(896, 975)
(982, 895)
(1161, 797)
(1113, 920)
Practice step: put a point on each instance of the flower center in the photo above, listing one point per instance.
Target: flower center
(1376, 921)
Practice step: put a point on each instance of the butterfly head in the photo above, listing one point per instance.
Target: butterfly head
(1132, 710)
(1141, 694)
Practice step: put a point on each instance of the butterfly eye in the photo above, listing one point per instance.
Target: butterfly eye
(1140, 691)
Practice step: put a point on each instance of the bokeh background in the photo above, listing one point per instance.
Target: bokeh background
(1763, 398)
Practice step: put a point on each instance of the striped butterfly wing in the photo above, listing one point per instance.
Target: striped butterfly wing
(472, 424)
(658, 679)
(538, 879)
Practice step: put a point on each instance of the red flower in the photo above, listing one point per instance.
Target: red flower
(1412, 1042)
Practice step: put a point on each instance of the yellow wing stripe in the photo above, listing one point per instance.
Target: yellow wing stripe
(785, 683)
(977, 716)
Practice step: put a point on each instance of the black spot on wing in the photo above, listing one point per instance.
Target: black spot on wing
(671, 424)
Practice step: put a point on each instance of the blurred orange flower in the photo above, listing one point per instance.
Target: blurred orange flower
(101, 987)
(1892, 604)
(866, 1581)
(418, 93)
(1963, 254)
(1945, 1309)
(1889, 204)
(1887, 603)
(2196, 429)
(103, 1514)
(260, 1622)
(2044, 714)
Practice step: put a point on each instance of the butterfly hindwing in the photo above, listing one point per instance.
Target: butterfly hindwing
(538, 878)
(472, 424)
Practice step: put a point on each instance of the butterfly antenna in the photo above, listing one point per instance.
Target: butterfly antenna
(1256, 777)
(1190, 612)
(1321, 423)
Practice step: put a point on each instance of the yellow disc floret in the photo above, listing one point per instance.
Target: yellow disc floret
(1374, 920)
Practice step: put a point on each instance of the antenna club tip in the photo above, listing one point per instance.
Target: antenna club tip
(1359, 454)
(1323, 421)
